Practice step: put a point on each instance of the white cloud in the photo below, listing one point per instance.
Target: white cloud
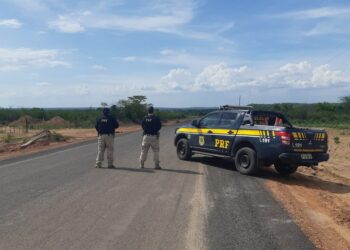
(16, 59)
(10, 23)
(325, 20)
(221, 77)
(323, 75)
(338, 27)
(304, 75)
(176, 80)
(293, 68)
(171, 16)
(129, 59)
(98, 67)
(325, 12)
(161, 17)
(167, 52)
(66, 25)
(217, 77)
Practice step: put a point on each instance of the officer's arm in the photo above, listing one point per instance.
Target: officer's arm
(160, 124)
(96, 124)
(116, 124)
(143, 123)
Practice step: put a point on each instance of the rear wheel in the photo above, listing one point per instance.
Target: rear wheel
(245, 161)
(183, 149)
(285, 169)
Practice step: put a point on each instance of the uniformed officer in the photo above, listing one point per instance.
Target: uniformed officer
(105, 127)
(151, 125)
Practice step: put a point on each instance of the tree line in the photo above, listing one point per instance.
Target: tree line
(132, 110)
(323, 113)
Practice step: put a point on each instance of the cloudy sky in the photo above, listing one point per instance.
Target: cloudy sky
(179, 53)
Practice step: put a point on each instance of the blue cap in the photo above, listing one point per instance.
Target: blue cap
(105, 111)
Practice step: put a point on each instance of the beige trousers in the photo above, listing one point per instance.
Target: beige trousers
(150, 141)
(105, 142)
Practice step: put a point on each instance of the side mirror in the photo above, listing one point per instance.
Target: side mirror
(194, 123)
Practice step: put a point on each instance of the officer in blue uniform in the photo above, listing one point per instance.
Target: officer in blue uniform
(151, 125)
(105, 127)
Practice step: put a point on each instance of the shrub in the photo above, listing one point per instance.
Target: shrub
(8, 138)
(336, 140)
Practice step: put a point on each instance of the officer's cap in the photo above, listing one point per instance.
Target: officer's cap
(150, 109)
(105, 111)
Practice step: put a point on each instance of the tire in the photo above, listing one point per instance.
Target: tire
(183, 149)
(245, 161)
(285, 169)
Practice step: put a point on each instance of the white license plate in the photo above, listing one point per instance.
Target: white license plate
(306, 156)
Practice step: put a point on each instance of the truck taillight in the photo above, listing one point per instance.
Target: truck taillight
(285, 137)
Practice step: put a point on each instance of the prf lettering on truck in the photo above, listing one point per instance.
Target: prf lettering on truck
(221, 143)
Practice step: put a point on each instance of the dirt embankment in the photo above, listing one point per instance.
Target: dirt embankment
(72, 136)
(319, 201)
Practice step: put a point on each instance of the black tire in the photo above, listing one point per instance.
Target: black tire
(183, 149)
(285, 169)
(245, 161)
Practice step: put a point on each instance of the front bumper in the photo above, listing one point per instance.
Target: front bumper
(296, 158)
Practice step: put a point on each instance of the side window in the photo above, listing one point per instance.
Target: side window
(228, 120)
(209, 121)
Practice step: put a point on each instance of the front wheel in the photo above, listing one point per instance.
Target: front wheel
(183, 149)
(245, 161)
(285, 169)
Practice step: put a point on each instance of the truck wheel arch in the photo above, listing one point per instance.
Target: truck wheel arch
(241, 144)
(178, 137)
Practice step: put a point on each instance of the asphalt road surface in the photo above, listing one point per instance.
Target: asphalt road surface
(58, 200)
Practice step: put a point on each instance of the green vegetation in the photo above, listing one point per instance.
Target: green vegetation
(134, 108)
(57, 137)
(324, 114)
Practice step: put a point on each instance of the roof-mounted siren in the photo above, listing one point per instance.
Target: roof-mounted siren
(232, 107)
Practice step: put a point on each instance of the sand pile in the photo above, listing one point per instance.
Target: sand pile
(23, 120)
(57, 121)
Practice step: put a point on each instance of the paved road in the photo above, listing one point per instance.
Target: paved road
(58, 200)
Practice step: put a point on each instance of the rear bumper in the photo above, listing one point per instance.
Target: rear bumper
(295, 158)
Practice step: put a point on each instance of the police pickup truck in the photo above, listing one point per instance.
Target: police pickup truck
(253, 139)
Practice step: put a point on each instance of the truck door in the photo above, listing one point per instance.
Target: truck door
(226, 132)
(204, 140)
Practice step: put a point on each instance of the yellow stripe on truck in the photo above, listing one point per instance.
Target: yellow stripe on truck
(220, 131)
(248, 132)
(295, 135)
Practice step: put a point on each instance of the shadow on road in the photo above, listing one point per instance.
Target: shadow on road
(152, 170)
(180, 171)
(144, 170)
(217, 162)
(268, 173)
